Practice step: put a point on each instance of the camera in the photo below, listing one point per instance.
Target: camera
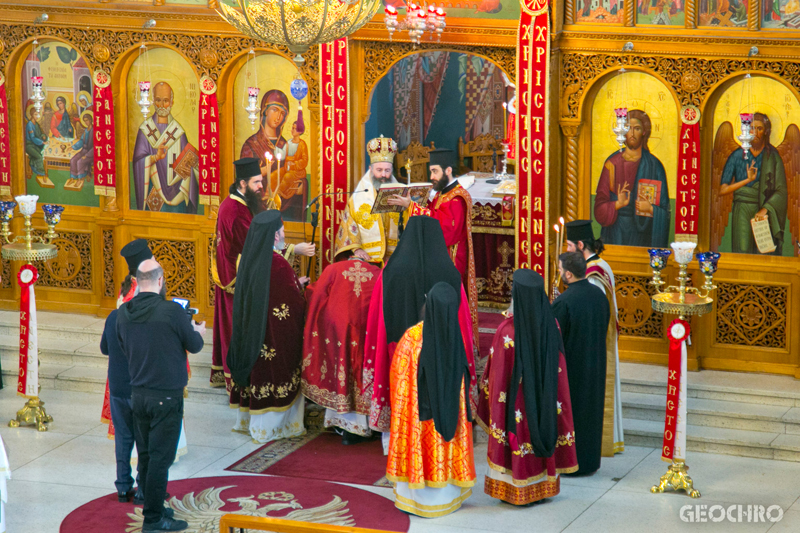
(185, 304)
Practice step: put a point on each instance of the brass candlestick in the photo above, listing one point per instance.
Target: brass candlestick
(29, 248)
(681, 300)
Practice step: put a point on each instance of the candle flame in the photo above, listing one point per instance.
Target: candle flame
(555, 227)
(561, 220)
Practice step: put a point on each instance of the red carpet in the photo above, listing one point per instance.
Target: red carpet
(318, 456)
(202, 501)
(487, 325)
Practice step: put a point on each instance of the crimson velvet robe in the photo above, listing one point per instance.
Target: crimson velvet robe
(335, 332)
(378, 359)
(275, 377)
(452, 207)
(233, 221)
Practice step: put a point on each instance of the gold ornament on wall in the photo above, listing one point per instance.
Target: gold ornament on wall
(691, 82)
(208, 58)
(101, 52)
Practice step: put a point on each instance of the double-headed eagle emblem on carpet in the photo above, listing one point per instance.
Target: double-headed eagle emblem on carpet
(203, 511)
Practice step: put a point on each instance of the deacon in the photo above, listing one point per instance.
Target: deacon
(431, 460)
(524, 400)
(233, 220)
(420, 261)
(580, 238)
(452, 207)
(333, 345)
(373, 238)
(582, 312)
(264, 355)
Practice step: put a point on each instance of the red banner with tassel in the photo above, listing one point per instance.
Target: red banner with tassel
(687, 194)
(334, 80)
(674, 445)
(533, 66)
(28, 384)
(5, 146)
(209, 142)
(104, 142)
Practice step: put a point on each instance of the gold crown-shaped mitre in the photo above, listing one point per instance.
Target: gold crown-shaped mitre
(381, 150)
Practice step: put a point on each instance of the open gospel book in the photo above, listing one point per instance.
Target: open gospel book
(763, 235)
(418, 192)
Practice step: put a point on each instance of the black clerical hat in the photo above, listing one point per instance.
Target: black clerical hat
(134, 253)
(580, 230)
(246, 168)
(443, 157)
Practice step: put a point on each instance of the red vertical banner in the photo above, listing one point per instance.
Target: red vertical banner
(5, 146)
(105, 169)
(209, 142)
(687, 199)
(533, 62)
(334, 80)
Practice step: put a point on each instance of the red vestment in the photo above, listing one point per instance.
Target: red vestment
(378, 359)
(275, 377)
(453, 210)
(335, 331)
(233, 221)
(520, 477)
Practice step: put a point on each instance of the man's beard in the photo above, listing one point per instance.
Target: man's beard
(163, 291)
(377, 183)
(281, 244)
(253, 201)
(439, 186)
(163, 111)
(633, 145)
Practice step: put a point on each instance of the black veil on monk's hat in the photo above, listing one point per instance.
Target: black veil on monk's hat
(443, 364)
(246, 168)
(417, 264)
(579, 230)
(537, 345)
(251, 298)
(134, 253)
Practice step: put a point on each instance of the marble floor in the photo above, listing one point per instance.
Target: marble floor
(73, 463)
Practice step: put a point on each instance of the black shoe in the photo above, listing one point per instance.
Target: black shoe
(351, 438)
(169, 512)
(138, 499)
(125, 497)
(165, 524)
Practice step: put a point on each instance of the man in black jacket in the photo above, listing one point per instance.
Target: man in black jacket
(155, 335)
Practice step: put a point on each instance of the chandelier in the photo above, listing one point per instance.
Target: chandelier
(418, 20)
(298, 24)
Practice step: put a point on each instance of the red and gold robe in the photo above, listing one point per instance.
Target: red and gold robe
(418, 455)
(335, 331)
(453, 210)
(378, 357)
(519, 477)
(275, 377)
(233, 221)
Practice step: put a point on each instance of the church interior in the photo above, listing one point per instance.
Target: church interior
(671, 126)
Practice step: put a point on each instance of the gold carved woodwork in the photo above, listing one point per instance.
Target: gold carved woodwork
(571, 133)
(2, 46)
(691, 15)
(634, 311)
(380, 56)
(418, 155)
(211, 287)
(5, 283)
(482, 153)
(108, 263)
(579, 70)
(101, 53)
(177, 258)
(751, 315)
(569, 12)
(111, 44)
(72, 267)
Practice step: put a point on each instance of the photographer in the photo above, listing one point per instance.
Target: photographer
(155, 335)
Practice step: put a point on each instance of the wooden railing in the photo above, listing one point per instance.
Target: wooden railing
(229, 523)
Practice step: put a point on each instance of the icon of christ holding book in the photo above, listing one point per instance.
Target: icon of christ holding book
(632, 199)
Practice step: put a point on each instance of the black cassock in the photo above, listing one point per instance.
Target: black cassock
(583, 314)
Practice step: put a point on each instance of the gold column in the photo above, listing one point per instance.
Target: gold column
(570, 131)
(569, 12)
(753, 10)
(690, 10)
(630, 13)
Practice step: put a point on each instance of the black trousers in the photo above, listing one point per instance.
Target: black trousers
(157, 424)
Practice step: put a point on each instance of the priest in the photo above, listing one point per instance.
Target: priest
(431, 460)
(582, 312)
(420, 261)
(264, 355)
(580, 238)
(524, 400)
(371, 237)
(333, 345)
(233, 220)
(452, 207)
